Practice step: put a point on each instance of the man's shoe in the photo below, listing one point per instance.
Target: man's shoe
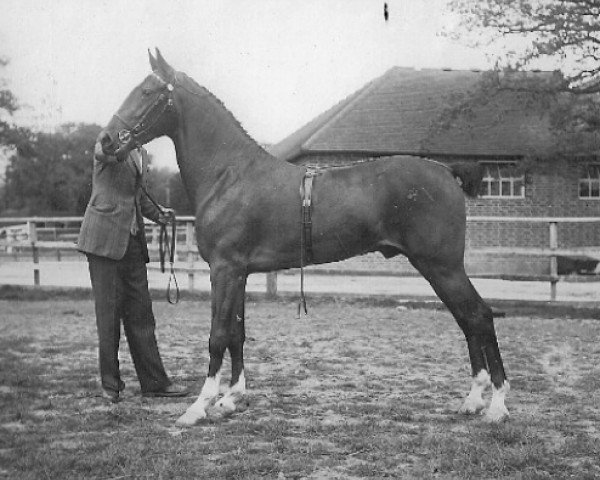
(111, 395)
(172, 390)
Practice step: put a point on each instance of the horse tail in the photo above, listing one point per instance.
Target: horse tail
(469, 176)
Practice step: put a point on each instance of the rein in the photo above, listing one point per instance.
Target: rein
(163, 245)
(166, 246)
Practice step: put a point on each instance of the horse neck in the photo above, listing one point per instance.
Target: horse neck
(209, 140)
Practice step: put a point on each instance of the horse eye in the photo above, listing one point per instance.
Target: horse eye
(146, 91)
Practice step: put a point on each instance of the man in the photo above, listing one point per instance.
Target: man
(113, 239)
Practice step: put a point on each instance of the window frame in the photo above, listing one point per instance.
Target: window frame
(500, 180)
(590, 181)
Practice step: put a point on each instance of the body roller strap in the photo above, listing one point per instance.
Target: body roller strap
(306, 253)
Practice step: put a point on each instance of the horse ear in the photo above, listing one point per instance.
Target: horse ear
(153, 63)
(166, 69)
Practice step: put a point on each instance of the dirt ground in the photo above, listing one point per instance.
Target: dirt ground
(350, 391)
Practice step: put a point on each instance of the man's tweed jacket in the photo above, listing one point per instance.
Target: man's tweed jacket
(116, 193)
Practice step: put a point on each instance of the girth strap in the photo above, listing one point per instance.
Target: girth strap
(307, 216)
(306, 252)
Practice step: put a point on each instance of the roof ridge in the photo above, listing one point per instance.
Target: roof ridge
(351, 101)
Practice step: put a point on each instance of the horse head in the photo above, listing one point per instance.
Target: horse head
(148, 111)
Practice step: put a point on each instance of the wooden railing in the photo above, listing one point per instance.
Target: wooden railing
(26, 233)
(552, 252)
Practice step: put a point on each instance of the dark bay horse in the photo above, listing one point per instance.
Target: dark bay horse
(248, 220)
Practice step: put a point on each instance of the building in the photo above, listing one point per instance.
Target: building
(533, 167)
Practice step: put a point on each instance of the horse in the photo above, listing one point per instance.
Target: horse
(248, 220)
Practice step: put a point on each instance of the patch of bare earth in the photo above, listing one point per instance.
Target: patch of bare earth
(350, 391)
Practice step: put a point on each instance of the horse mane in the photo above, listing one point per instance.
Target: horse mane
(203, 91)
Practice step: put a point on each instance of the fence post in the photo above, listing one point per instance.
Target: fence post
(553, 260)
(189, 245)
(272, 284)
(32, 233)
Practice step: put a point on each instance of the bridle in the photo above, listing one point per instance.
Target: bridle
(150, 117)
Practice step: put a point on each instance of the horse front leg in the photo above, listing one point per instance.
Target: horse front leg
(237, 387)
(227, 287)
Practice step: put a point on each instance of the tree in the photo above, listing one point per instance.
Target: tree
(8, 104)
(179, 197)
(167, 188)
(546, 34)
(53, 176)
(10, 134)
(564, 33)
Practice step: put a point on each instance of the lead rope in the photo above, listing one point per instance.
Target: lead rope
(169, 247)
(164, 244)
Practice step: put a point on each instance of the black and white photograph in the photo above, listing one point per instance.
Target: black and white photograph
(284, 239)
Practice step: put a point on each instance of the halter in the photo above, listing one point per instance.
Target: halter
(150, 117)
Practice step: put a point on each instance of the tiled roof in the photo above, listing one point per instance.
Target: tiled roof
(401, 112)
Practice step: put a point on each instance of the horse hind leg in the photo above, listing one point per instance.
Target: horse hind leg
(474, 403)
(476, 321)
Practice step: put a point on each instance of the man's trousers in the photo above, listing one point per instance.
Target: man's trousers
(120, 290)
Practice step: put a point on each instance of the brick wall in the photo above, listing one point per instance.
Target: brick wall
(551, 194)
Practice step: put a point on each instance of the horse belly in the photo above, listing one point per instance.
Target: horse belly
(337, 235)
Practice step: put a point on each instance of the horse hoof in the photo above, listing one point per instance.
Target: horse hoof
(495, 415)
(222, 409)
(226, 404)
(189, 419)
(471, 407)
(243, 405)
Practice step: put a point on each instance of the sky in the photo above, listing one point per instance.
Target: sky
(275, 64)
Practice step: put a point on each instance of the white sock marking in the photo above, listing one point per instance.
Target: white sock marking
(474, 402)
(209, 391)
(234, 394)
(497, 410)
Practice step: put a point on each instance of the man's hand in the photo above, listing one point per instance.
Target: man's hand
(166, 216)
(101, 156)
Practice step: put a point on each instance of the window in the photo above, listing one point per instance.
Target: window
(501, 180)
(589, 181)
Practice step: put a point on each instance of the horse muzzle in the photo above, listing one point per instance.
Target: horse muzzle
(119, 147)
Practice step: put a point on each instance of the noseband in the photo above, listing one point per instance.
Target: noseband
(150, 117)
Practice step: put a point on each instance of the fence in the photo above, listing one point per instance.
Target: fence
(58, 234)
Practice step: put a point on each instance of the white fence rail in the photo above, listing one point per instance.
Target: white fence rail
(59, 234)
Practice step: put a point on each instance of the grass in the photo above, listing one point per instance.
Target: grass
(351, 391)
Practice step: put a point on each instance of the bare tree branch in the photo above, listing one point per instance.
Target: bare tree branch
(567, 32)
